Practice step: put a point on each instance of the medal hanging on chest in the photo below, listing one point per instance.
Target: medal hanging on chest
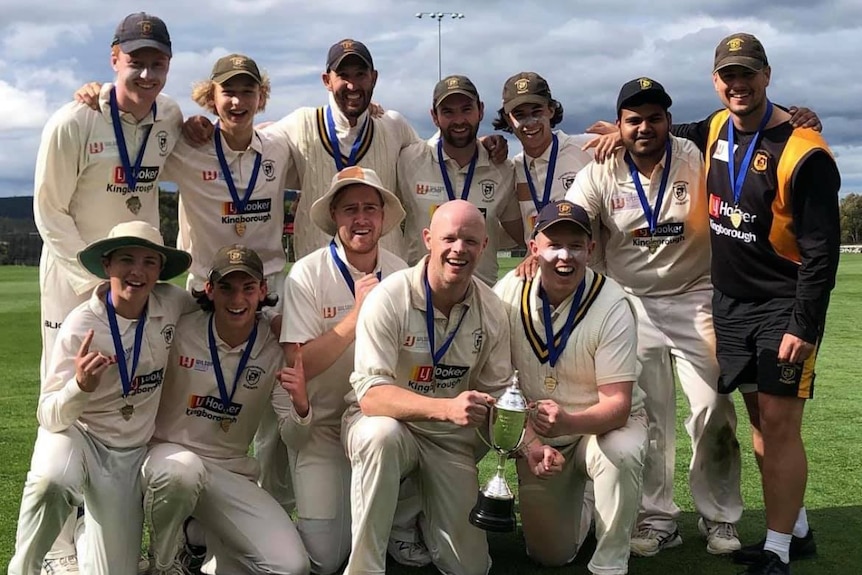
(239, 204)
(736, 217)
(651, 214)
(550, 383)
(126, 376)
(226, 397)
(239, 227)
(225, 424)
(738, 179)
(127, 411)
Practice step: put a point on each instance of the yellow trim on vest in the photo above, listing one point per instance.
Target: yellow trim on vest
(322, 131)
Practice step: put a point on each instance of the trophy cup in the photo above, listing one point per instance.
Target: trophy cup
(495, 507)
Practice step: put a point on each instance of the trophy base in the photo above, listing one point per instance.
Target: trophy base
(497, 515)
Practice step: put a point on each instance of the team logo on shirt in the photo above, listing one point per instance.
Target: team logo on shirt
(478, 338)
(664, 234)
(449, 376)
(168, 333)
(162, 141)
(567, 180)
(268, 169)
(146, 383)
(410, 341)
(96, 148)
(147, 177)
(210, 407)
(680, 192)
(202, 365)
(209, 175)
(624, 202)
(329, 312)
(430, 189)
(760, 162)
(253, 376)
(488, 187)
(256, 211)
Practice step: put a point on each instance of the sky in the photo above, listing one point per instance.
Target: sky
(585, 49)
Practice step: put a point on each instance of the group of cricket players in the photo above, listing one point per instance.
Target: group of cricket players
(359, 379)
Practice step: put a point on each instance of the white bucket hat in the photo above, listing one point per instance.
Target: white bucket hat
(393, 212)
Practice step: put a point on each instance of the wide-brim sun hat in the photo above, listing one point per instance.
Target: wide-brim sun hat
(134, 234)
(393, 211)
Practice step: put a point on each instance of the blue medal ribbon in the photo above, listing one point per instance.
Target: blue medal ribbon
(126, 376)
(554, 351)
(437, 354)
(239, 203)
(651, 214)
(468, 180)
(549, 178)
(336, 147)
(342, 267)
(131, 172)
(226, 400)
(736, 180)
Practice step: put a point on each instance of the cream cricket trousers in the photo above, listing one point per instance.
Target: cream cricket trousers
(382, 451)
(247, 531)
(69, 468)
(676, 331)
(551, 508)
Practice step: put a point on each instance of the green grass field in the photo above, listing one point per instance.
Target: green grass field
(832, 434)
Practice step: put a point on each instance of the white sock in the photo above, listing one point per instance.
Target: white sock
(778, 543)
(801, 527)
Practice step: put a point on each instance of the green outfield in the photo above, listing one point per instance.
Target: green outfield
(832, 433)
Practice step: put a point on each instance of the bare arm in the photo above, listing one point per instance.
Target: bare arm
(467, 409)
(611, 412)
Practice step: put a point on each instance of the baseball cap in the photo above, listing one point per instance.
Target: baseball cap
(344, 48)
(525, 88)
(740, 49)
(233, 65)
(142, 30)
(562, 211)
(454, 85)
(236, 258)
(643, 91)
(393, 212)
(134, 234)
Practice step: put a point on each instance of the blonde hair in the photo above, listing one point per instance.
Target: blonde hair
(203, 94)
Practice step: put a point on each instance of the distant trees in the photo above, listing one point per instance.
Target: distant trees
(851, 219)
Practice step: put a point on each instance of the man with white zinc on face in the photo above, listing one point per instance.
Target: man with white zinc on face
(574, 343)
(649, 205)
(323, 296)
(457, 166)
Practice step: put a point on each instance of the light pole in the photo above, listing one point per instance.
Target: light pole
(439, 17)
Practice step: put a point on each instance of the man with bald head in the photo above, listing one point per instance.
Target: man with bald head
(432, 353)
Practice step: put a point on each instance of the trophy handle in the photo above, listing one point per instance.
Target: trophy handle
(492, 412)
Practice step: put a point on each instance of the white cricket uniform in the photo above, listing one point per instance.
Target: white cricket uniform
(316, 299)
(672, 295)
(86, 451)
(393, 348)
(80, 193)
(422, 190)
(196, 468)
(570, 160)
(381, 142)
(208, 217)
(602, 349)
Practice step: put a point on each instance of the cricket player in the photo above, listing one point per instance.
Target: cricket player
(323, 296)
(456, 165)
(773, 220)
(574, 343)
(550, 159)
(95, 169)
(649, 204)
(432, 352)
(97, 407)
(222, 374)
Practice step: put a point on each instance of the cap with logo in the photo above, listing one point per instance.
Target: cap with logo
(236, 258)
(454, 85)
(233, 65)
(142, 30)
(562, 211)
(344, 48)
(740, 50)
(642, 91)
(393, 212)
(525, 88)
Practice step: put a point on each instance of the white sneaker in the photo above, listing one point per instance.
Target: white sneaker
(647, 542)
(409, 553)
(721, 538)
(60, 565)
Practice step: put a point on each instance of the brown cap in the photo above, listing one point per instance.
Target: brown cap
(233, 65)
(344, 48)
(454, 85)
(740, 50)
(236, 258)
(642, 91)
(142, 30)
(525, 88)
(562, 211)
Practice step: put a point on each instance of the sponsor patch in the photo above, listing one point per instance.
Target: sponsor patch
(146, 383)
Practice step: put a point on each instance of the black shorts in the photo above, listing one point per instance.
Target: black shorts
(748, 335)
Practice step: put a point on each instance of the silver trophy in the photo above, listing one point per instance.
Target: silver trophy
(495, 507)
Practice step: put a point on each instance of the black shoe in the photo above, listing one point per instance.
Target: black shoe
(769, 564)
(800, 548)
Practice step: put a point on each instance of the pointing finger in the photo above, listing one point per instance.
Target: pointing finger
(85, 345)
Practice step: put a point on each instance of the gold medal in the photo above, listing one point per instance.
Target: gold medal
(133, 204)
(653, 245)
(550, 383)
(225, 424)
(240, 228)
(127, 411)
(736, 217)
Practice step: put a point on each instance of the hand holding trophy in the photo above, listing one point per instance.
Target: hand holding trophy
(495, 507)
